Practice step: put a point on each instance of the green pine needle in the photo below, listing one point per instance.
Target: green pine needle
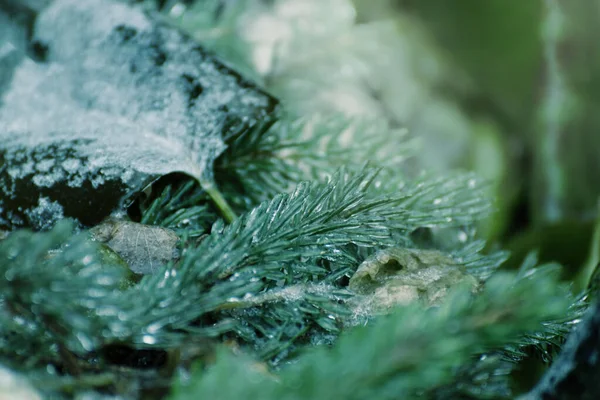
(387, 359)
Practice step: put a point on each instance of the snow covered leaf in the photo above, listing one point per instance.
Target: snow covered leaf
(117, 102)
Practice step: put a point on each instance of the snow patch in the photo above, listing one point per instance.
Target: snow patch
(45, 214)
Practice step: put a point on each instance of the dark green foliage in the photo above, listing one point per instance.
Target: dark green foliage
(386, 360)
(57, 314)
(184, 207)
(574, 375)
(261, 163)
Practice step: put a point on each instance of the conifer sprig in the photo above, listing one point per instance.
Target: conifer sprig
(265, 161)
(490, 375)
(318, 217)
(54, 287)
(386, 360)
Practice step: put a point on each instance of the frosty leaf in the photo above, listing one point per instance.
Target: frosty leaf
(145, 248)
(119, 102)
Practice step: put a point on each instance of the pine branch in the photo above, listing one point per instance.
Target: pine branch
(260, 164)
(575, 372)
(490, 376)
(340, 212)
(546, 341)
(386, 360)
(53, 289)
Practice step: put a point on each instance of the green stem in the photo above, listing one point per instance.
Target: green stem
(554, 117)
(582, 280)
(217, 197)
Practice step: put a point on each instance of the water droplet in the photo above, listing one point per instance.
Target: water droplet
(85, 341)
(462, 236)
(107, 311)
(96, 293)
(149, 339)
(165, 303)
(153, 328)
(104, 280)
(437, 201)
(177, 10)
(170, 273)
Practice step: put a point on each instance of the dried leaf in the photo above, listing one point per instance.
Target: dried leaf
(143, 247)
(120, 101)
(398, 276)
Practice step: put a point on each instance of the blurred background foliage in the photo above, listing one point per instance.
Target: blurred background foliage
(506, 88)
